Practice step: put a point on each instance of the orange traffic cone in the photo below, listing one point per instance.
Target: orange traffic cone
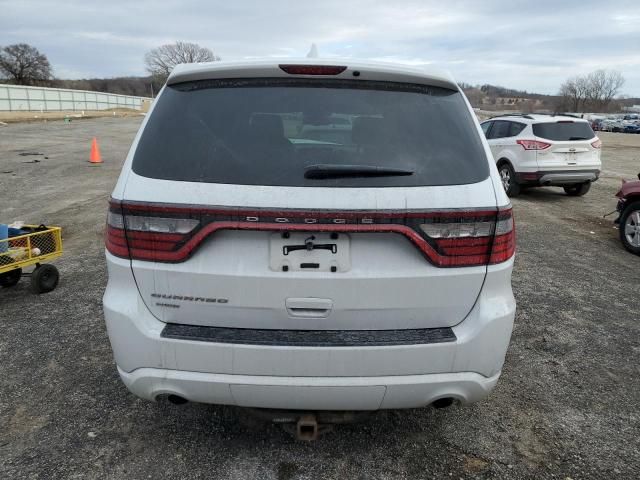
(95, 157)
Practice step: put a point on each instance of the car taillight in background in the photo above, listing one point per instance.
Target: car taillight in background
(170, 233)
(533, 144)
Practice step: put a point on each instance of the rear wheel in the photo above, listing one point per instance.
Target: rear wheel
(577, 190)
(508, 179)
(11, 278)
(630, 227)
(44, 278)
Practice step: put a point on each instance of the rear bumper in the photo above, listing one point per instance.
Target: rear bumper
(309, 393)
(557, 177)
(287, 376)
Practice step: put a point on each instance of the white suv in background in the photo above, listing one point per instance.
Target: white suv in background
(255, 262)
(541, 150)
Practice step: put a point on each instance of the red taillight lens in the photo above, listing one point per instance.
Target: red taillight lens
(171, 233)
(533, 144)
(313, 69)
(115, 239)
(468, 241)
(147, 237)
(597, 143)
(504, 241)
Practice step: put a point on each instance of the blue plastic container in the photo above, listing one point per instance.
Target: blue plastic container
(4, 234)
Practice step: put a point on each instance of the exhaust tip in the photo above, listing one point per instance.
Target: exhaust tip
(177, 399)
(443, 402)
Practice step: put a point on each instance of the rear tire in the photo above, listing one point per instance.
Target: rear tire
(11, 278)
(577, 190)
(630, 227)
(44, 278)
(508, 179)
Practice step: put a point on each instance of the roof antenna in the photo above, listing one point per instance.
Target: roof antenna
(313, 53)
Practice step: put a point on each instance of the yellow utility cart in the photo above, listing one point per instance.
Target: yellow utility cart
(40, 244)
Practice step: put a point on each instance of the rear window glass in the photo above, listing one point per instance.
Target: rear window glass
(500, 129)
(516, 128)
(563, 131)
(268, 131)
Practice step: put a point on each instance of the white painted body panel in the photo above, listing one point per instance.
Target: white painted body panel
(522, 160)
(394, 289)
(573, 155)
(390, 290)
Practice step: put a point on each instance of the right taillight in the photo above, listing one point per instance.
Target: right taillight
(533, 144)
(504, 240)
(597, 143)
(470, 241)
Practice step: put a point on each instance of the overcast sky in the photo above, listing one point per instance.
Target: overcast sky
(532, 45)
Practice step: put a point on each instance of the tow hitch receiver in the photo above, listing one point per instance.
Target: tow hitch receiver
(307, 428)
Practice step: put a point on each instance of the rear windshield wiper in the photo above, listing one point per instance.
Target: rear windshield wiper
(321, 171)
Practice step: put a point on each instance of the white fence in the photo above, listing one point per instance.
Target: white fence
(18, 98)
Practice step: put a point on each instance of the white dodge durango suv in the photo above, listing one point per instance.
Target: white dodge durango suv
(539, 150)
(306, 236)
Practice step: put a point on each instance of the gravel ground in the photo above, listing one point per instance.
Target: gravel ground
(565, 407)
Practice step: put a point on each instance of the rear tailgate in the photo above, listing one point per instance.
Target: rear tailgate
(234, 278)
(571, 145)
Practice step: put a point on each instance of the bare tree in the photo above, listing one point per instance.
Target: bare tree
(603, 87)
(24, 64)
(595, 91)
(574, 93)
(160, 61)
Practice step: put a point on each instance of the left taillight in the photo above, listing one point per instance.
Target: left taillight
(144, 236)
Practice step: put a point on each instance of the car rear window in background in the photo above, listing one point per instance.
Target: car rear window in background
(563, 131)
(266, 131)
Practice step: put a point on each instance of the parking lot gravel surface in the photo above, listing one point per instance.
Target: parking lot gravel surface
(567, 404)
